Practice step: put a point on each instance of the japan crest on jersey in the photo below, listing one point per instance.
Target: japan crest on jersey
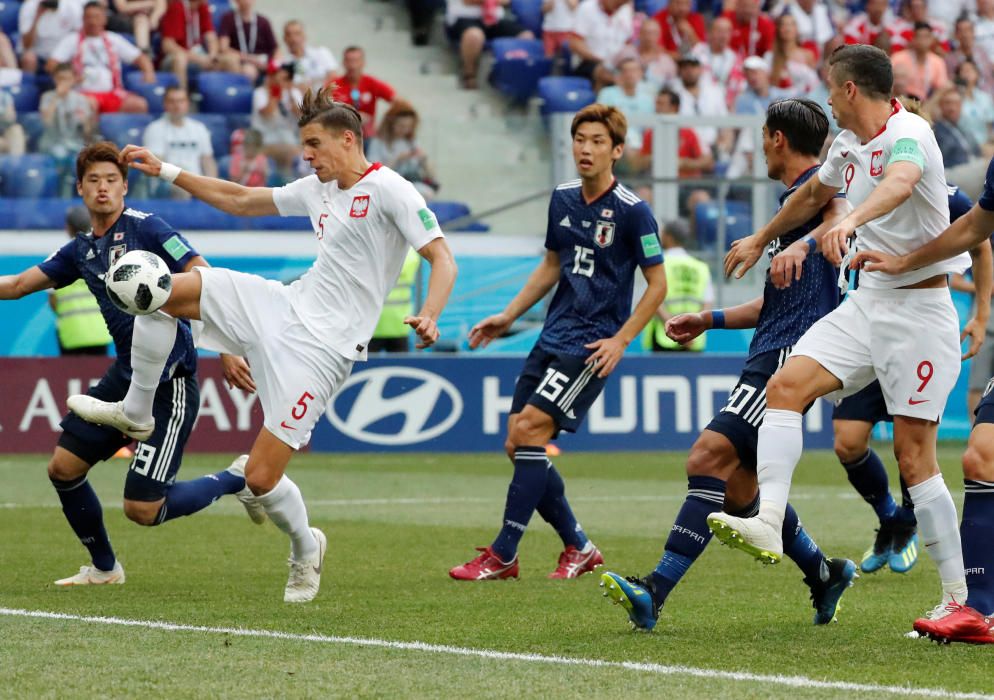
(604, 233)
(115, 253)
(360, 206)
(876, 164)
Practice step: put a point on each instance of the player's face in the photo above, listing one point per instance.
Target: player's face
(774, 161)
(327, 152)
(593, 151)
(102, 188)
(838, 99)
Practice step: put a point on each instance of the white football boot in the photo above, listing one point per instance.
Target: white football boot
(305, 575)
(109, 413)
(255, 510)
(753, 536)
(90, 575)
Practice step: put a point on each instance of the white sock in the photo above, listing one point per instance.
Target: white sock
(777, 453)
(285, 507)
(151, 342)
(939, 532)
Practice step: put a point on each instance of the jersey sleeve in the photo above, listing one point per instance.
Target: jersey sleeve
(411, 215)
(128, 52)
(830, 173)
(986, 200)
(550, 231)
(168, 243)
(291, 199)
(908, 143)
(60, 266)
(644, 232)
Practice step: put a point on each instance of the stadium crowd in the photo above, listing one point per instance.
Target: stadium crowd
(207, 86)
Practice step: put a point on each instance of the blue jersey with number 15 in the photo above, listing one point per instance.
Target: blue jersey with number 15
(599, 244)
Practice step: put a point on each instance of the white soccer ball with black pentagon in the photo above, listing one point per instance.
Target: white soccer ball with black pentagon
(139, 283)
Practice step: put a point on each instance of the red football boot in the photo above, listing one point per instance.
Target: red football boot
(574, 563)
(962, 624)
(486, 567)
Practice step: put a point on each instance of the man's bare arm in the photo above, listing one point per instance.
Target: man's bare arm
(27, 282)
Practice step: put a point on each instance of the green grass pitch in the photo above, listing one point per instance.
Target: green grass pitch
(395, 525)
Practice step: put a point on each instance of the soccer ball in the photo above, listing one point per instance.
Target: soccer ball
(139, 283)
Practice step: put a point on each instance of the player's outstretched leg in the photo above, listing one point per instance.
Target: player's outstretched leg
(580, 555)
(868, 476)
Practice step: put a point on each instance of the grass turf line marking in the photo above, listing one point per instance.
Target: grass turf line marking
(659, 669)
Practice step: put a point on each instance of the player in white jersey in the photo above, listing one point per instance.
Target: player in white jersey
(301, 339)
(900, 328)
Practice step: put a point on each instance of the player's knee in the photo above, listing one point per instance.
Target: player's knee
(527, 432)
(849, 450)
(142, 512)
(978, 463)
(260, 482)
(781, 389)
(709, 459)
(914, 464)
(60, 471)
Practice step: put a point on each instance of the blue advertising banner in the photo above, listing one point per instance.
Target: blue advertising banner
(460, 404)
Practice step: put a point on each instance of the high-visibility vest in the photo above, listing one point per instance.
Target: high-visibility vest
(399, 303)
(687, 282)
(78, 320)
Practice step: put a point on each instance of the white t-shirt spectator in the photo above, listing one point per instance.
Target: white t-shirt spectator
(313, 67)
(606, 35)
(98, 75)
(560, 18)
(710, 102)
(948, 11)
(457, 9)
(52, 27)
(281, 126)
(182, 145)
(719, 67)
(642, 102)
(983, 35)
(816, 27)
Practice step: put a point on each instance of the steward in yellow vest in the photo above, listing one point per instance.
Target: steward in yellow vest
(391, 334)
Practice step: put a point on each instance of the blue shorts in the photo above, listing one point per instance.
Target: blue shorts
(985, 409)
(563, 386)
(157, 460)
(867, 406)
(740, 418)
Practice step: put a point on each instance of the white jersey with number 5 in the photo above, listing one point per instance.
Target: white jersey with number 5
(856, 169)
(363, 236)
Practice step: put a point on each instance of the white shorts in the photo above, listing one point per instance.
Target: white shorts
(906, 338)
(295, 374)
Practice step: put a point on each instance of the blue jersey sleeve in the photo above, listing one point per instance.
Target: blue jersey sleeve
(550, 235)
(986, 200)
(60, 267)
(168, 243)
(959, 203)
(643, 232)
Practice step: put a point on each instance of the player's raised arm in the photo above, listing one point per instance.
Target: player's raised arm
(683, 328)
(229, 197)
(27, 282)
(440, 284)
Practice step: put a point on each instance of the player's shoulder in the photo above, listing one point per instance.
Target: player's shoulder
(139, 221)
(904, 124)
(567, 193)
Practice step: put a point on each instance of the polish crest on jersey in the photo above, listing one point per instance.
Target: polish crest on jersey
(604, 233)
(360, 206)
(876, 163)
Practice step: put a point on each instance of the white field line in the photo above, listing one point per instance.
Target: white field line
(651, 668)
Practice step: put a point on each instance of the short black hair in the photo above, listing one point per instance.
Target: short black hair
(94, 3)
(868, 67)
(672, 94)
(802, 122)
(922, 25)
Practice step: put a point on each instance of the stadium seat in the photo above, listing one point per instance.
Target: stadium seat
(239, 121)
(123, 129)
(218, 9)
(223, 167)
(217, 124)
(450, 211)
(650, 7)
(31, 175)
(738, 222)
(134, 81)
(8, 16)
(154, 95)
(518, 66)
(529, 14)
(33, 127)
(564, 94)
(225, 93)
(25, 96)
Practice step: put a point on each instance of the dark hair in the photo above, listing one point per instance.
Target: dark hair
(678, 230)
(922, 25)
(350, 49)
(610, 117)
(100, 152)
(321, 107)
(174, 88)
(94, 3)
(672, 94)
(65, 66)
(802, 122)
(867, 67)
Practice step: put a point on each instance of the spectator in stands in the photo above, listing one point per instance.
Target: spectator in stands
(8, 59)
(422, 17)
(177, 138)
(138, 18)
(96, 55)
(396, 146)
(957, 145)
(759, 93)
(814, 23)
(819, 94)
(12, 139)
(752, 30)
(558, 18)
(978, 106)
(42, 24)
(950, 11)
(188, 39)
(965, 49)
(701, 98)
(69, 120)
(247, 42)
(603, 29)
(657, 65)
(926, 71)
(875, 20)
(631, 94)
(983, 28)
(791, 64)
(249, 165)
(313, 66)
(716, 56)
(275, 111)
(915, 12)
(681, 28)
(472, 23)
(360, 90)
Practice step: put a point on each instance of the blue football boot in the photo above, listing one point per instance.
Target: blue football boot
(633, 594)
(825, 595)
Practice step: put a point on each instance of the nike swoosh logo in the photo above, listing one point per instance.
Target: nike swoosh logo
(317, 569)
(845, 154)
(913, 402)
(288, 427)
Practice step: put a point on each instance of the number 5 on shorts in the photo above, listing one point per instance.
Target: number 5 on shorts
(299, 409)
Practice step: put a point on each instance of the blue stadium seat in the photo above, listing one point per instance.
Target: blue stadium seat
(33, 128)
(8, 16)
(25, 96)
(518, 66)
(529, 14)
(225, 93)
(450, 211)
(134, 81)
(239, 121)
(738, 222)
(31, 175)
(218, 8)
(650, 7)
(217, 124)
(154, 95)
(564, 94)
(123, 129)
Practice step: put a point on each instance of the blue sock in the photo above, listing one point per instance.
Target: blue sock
(906, 513)
(976, 534)
(86, 518)
(525, 491)
(555, 510)
(187, 497)
(869, 477)
(689, 535)
(799, 546)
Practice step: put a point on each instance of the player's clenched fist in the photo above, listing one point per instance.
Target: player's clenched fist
(142, 159)
(683, 328)
(743, 255)
(426, 329)
(490, 328)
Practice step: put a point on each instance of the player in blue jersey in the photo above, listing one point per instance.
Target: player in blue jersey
(151, 494)
(896, 541)
(721, 468)
(598, 232)
(970, 620)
